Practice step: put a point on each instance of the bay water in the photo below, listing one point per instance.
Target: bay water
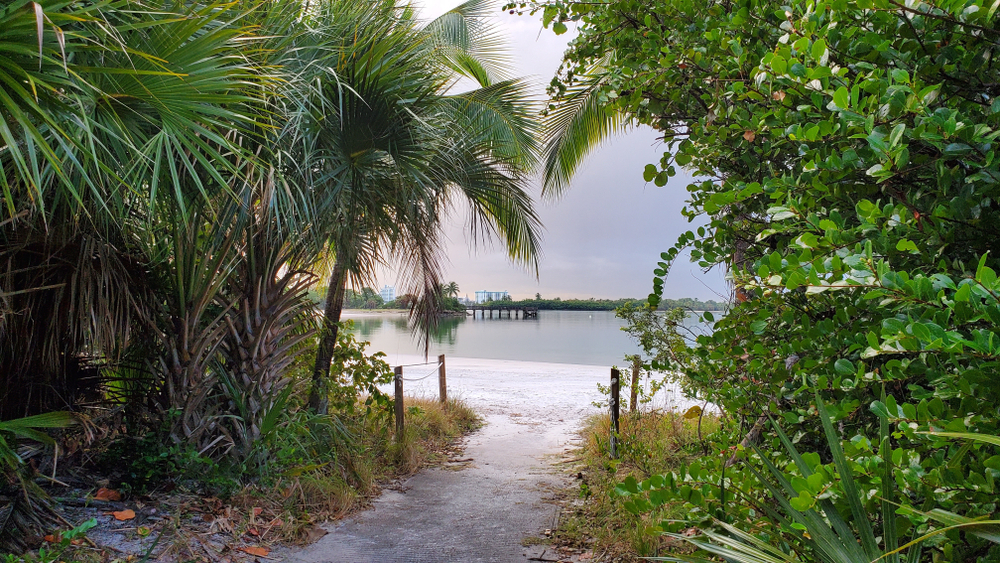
(554, 361)
(591, 338)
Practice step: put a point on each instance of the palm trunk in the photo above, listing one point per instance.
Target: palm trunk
(318, 397)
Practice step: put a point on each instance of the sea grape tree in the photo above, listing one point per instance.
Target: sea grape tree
(845, 161)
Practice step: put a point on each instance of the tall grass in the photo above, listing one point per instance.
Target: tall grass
(650, 443)
(329, 467)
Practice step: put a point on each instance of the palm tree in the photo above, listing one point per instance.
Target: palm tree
(451, 289)
(145, 132)
(385, 148)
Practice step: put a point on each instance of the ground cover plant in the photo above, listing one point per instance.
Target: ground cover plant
(845, 173)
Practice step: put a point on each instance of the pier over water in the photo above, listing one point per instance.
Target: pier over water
(513, 311)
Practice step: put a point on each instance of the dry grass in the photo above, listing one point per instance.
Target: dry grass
(322, 493)
(289, 507)
(652, 443)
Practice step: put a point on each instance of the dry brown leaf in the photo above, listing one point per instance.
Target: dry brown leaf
(779, 95)
(255, 551)
(50, 538)
(749, 135)
(107, 495)
(126, 514)
(253, 532)
(257, 511)
(314, 533)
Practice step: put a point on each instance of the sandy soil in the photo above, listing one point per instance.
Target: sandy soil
(482, 509)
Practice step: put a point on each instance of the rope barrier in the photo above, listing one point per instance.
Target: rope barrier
(414, 365)
(432, 372)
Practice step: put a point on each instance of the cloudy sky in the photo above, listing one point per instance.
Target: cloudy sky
(604, 237)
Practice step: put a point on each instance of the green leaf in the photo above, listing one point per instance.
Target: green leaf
(841, 98)
(649, 173)
(779, 65)
(818, 49)
(963, 293)
(843, 367)
(975, 437)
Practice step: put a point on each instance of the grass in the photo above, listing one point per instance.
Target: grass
(316, 492)
(320, 469)
(651, 443)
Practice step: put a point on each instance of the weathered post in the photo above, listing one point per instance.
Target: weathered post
(442, 380)
(615, 409)
(398, 403)
(636, 366)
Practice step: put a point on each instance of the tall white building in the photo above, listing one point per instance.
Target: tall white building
(484, 296)
(388, 293)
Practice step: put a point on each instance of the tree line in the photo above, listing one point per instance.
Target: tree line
(592, 304)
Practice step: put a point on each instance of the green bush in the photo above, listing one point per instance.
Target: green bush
(846, 175)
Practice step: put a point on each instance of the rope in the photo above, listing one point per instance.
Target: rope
(420, 364)
(432, 372)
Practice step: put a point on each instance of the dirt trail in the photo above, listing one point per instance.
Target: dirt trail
(481, 510)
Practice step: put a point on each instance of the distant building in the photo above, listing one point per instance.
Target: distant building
(388, 293)
(484, 296)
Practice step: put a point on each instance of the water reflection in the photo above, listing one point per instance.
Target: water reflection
(370, 327)
(578, 337)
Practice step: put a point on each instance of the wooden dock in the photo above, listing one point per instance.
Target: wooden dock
(517, 311)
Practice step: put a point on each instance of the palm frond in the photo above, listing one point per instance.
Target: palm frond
(577, 126)
(470, 44)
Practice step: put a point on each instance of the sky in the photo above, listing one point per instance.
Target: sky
(601, 239)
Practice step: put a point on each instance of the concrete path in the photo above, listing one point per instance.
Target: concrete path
(479, 511)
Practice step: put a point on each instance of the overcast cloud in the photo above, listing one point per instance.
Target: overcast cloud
(604, 237)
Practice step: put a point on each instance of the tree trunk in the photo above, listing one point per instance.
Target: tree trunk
(318, 398)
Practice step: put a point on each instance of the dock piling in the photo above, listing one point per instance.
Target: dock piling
(398, 403)
(615, 410)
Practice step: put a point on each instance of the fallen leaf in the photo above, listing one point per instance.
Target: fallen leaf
(257, 511)
(749, 135)
(50, 538)
(255, 551)
(143, 531)
(314, 533)
(126, 514)
(107, 495)
(253, 532)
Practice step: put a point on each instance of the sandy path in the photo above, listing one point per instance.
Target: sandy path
(483, 511)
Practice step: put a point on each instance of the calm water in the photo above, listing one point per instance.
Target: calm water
(567, 337)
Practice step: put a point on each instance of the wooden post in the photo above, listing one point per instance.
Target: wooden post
(442, 380)
(636, 366)
(615, 409)
(398, 403)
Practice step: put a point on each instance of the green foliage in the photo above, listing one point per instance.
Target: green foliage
(847, 177)
(357, 375)
(367, 298)
(151, 462)
(25, 510)
(58, 549)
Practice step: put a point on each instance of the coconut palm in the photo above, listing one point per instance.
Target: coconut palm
(386, 150)
(451, 289)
